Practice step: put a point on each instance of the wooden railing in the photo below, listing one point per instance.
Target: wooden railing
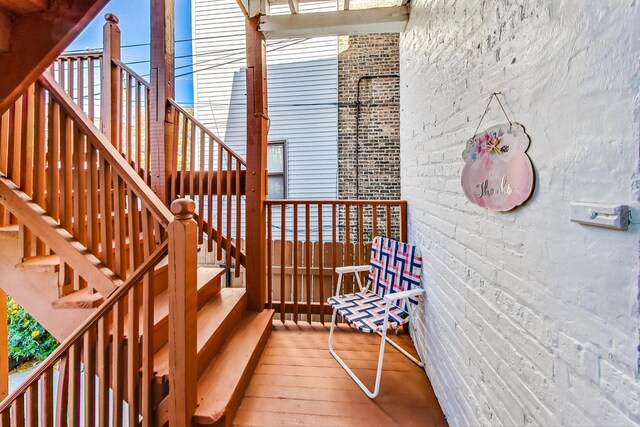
(79, 74)
(110, 345)
(308, 239)
(211, 173)
(53, 153)
(133, 103)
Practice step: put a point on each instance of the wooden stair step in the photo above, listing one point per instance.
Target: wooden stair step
(79, 299)
(216, 320)
(43, 263)
(222, 385)
(9, 231)
(209, 284)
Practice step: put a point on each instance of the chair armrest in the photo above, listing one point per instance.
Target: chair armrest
(352, 269)
(404, 294)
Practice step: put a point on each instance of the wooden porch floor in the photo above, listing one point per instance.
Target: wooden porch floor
(297, 382)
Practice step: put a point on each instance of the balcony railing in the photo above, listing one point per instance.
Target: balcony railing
(308, 239)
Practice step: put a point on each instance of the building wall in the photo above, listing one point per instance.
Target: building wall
(369, 141)
(302, 92)
(529, 319)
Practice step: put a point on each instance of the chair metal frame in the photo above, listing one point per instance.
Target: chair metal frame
(389, 299)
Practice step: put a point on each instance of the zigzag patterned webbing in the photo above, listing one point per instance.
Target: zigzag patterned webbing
(365, 310)
(395, 267)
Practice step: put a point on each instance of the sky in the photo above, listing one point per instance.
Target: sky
(134, 17)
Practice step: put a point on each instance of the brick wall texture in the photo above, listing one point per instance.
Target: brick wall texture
(529, 319)
(370, 170)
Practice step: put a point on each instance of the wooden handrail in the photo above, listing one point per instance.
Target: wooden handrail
(130, 71)
(213, 136)
(352, 202)
(160, 212)
(92, 320)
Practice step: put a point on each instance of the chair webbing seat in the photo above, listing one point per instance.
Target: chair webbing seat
(365, 310)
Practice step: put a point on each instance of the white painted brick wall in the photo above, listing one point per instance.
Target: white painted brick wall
(529, 319)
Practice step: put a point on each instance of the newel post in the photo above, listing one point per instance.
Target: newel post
(4, 346)
(257, 129)
(183, 369)
(111, 92)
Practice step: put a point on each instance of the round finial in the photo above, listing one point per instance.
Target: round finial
(183, 208)
(110, 17)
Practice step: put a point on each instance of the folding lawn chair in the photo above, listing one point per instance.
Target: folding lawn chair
(394, 274)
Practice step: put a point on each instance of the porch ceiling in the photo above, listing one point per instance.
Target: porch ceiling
(350, 18)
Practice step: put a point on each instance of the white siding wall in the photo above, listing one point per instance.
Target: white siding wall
(530, 319)
(302, 91)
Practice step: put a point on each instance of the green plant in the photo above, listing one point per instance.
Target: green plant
(27, 338)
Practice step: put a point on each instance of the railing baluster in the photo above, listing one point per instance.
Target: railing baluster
(201, 191)
(74, 384)
(269, 256)
(185, 148)
(320, 264)
(210, 172)
(283, 244)
(17, 412)
(32, 405)
(219, 202)
(229, 212)
(46, 391)
(296, 261)
(62, 394)
(238, 217)
(307, 257)
(117, 368)
(40, 172)
(374, 220)
(103, 371)
(89, 359)
(389, 235)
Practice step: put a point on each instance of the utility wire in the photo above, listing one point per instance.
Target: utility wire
(236, 60)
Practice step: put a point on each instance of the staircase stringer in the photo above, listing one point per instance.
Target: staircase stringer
(57, 238)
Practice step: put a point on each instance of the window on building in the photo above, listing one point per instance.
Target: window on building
(277, 167)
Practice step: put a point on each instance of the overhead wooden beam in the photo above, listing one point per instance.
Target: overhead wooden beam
(24, 6)
(252, 8)
(36, 41)
(294, 7)
(5, 32)
(343, 22)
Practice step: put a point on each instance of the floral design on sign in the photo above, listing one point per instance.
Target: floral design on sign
(498, 173)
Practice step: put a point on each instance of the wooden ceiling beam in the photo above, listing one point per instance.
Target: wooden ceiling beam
(36, 41)
(24, 6)
(252, 8)
(294, 6)
(343, 22)
(5, 31)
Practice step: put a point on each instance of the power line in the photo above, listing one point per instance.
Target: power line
(126, 46)
(236, 60)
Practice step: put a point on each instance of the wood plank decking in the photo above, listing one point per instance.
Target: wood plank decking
(297, 382)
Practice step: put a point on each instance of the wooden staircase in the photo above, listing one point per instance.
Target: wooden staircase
(81, 255)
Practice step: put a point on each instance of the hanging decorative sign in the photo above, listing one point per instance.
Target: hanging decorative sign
(498, 173)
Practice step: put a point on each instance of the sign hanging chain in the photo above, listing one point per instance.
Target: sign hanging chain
(493, 95)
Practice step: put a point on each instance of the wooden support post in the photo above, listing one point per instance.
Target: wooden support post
(111, 93)
(257, 124)
(183, 306)
(162, 88)
(4, 346)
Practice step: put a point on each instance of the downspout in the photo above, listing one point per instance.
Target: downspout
(365, 77)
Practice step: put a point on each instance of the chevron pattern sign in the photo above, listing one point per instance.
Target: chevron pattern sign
(395, 267)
